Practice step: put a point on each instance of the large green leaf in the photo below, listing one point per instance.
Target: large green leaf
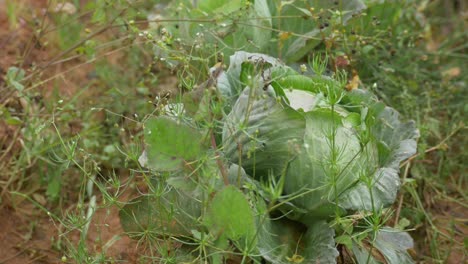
(385, 185)
(327, 167)
(390, 142)
(230, 213)
(279, 240)
(303, 44)
(173, 213)
(229, 84)
(362, 255)
(253, 33)
(261, 27)
(170, 144)
(225, 7)
(388, 12)
(282, 242)
(237, 175)
(286, 29)
(260, 133)
(391, 243)
(396, 142)
(298, 18)
(320, 243)
(285, 79)
(398, 139)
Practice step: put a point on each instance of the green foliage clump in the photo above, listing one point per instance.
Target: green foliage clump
(292, 156)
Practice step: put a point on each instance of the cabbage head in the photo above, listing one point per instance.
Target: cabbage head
(332, 149)
(299, 147)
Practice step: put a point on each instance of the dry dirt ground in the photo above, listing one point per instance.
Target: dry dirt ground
(27, 234)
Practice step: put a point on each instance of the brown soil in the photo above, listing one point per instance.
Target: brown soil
(27, 234)
(451, 220)
(24, 240)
